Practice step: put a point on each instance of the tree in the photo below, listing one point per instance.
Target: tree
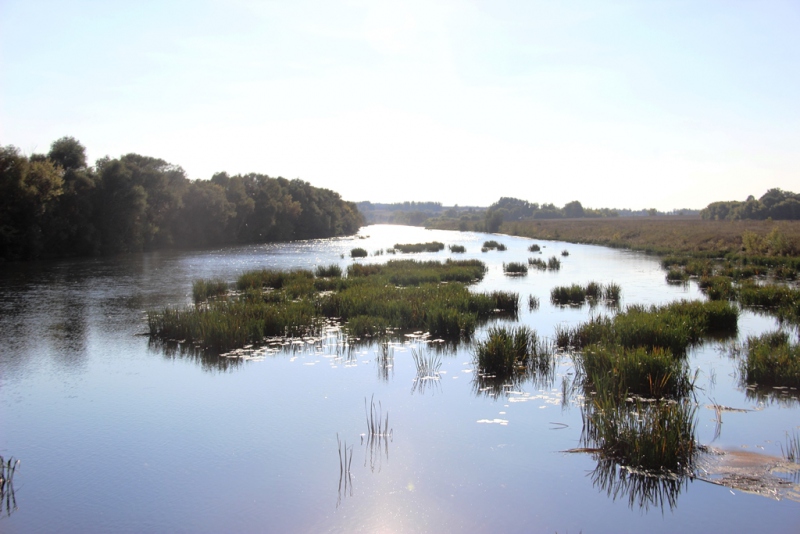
(573, 210)
(68, 153)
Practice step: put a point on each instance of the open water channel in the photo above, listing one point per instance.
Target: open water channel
(116, 434)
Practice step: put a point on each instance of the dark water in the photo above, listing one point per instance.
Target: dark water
(116, 435)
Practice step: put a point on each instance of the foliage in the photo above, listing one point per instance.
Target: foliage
(774, 204)
(54, 205)
(772, 361)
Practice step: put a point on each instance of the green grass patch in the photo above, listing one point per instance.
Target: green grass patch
(771, 360)
(433, 246)
(506, 351)
(329, 271)
(202, 290)
(359, 252)
(515, 268)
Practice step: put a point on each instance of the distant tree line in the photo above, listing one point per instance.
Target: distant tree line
(774, 204)
(55, 205)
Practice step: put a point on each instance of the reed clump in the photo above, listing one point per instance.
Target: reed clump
(202, 290)
(359, 252)
(534, 248)
(329, 271)
(515, 268)
(565, 252)
(771, 360)
(554, 264)
(433, 246)
(537, 263)
(509, 350)
(577, 294)
(458, 249)
(493, 245)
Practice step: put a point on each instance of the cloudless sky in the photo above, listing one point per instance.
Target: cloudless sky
(638, 104)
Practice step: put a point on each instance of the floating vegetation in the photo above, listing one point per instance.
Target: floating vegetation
(538, 263)
(554, 264)
(359, 252)
(433, 246)
(515, 268)
(534, 248)
(771, 361)
(202, 290)
(533, 302)
(458, 249)
(330, 271)
(509, 350)
(493, 245)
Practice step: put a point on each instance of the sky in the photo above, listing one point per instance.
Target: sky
(627, 104)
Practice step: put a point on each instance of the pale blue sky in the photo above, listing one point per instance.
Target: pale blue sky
(637, 104)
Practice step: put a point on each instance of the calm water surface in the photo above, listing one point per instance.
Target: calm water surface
(118, 435)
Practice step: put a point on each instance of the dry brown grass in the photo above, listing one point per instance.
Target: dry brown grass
(656, 235)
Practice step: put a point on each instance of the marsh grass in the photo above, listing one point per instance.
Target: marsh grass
(533, 302)
(612, 292)
(574, 294)
(359, 252)
(554, 264)
(458, 249)
(565, 253)
(534, 248)
(792, 452)
(376, 424)
(8, 501)
(374, 300)
(771, 360)
(677, 275)
(507, 351)
(202, 290)
(621, 372)
(657, 437)
(433, 246)
(515, 268)
(493, 245)
(538, 263)
(594, 291)
(329, 271)
(427, 364)
(672, 326)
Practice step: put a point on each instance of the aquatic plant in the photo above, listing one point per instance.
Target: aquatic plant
(515, 268)
(433, 246)
(506, 350)
(533, 302)
(564, 295)
(620, 372)
(612, 292)
(202, 290)
(376, 424)
(594, 291)
(565, 252)
(359, 252)
(330, 271)
(554, 263)
(534, 248)
(538, 263)
(658, 437)
(493, 245)
(458, 249)
(792, 452)
(677, 275)
(771, 360)
(8, 501)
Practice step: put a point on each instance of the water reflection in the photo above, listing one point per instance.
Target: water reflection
(8, 501)
(428, 365)
(641, 489)
(345, 478)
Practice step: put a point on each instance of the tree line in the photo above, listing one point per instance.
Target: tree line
(55, 205)
(774, 204)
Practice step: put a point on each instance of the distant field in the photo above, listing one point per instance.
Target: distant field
(657, 235)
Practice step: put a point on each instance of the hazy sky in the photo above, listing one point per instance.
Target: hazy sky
(638, 104)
